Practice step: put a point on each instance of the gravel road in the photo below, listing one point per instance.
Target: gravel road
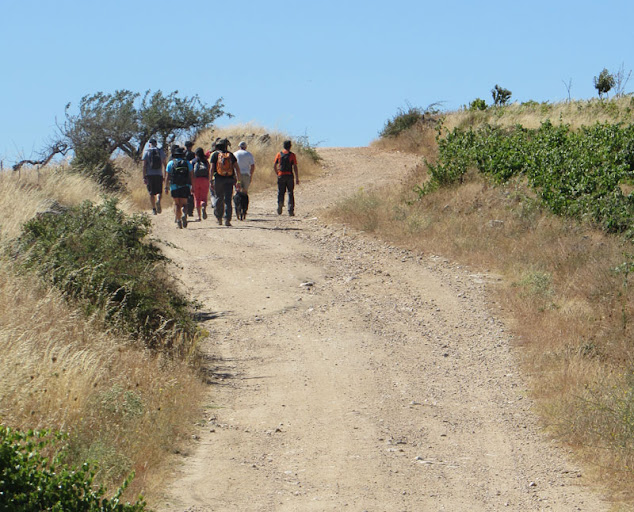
(346, 374)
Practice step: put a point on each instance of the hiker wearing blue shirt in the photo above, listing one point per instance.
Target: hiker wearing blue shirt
(179, 181)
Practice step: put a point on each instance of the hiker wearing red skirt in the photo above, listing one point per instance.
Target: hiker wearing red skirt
(201, 183)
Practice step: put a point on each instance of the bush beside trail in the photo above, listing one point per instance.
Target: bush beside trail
(83, 349)
(576, 173)
(32, 479)
(98, 255)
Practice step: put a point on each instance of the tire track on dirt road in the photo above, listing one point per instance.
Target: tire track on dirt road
(354, 375)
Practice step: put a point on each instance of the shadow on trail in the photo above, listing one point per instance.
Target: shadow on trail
(204, 316)
(217, 371)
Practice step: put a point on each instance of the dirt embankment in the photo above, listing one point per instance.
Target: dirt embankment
(348, 374)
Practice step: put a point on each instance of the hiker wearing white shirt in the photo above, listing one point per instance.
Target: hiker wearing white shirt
(246, 161)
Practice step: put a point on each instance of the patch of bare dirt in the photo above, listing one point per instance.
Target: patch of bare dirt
(349, 374)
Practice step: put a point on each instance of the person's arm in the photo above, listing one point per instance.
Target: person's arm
(167, 181)
(296, 171)
(276, 164)
(144, 167)
(252, 169)
(236, 168)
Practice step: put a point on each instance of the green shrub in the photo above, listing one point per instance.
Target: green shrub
(98, 256)
(33, 476)
(477, 104)
(575, 173)
(402, 121)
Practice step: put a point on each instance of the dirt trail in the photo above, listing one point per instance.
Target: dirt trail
(354, 375)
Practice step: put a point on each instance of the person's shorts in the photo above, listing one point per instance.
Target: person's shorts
(245, 182)
(182, 192)
(154, 184)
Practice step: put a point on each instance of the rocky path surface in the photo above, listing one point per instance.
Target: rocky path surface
(352, 375)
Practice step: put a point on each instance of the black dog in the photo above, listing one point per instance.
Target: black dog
(241, 203)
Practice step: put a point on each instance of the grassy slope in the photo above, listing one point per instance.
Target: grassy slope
(571, 313)
(124, 406)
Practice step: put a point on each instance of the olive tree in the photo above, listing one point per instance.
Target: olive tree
(123, 122)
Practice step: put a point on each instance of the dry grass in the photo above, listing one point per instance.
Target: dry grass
(124, 406)
(532, 114)
(571, 312)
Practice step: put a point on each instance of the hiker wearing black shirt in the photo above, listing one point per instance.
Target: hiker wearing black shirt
(153, 174)
(226, 173)
(285, 167)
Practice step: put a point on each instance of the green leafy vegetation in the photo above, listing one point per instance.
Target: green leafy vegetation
(403, 120)
(98, 256)
(477, 104)
(34, 476)
(124, 122)
(604, 82)
(575, 173)
(501, 96)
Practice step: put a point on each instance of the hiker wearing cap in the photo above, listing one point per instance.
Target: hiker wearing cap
(285, 167)
(246, 161)
(226, 171)
(178, 184)
(153, 166)
(200, 165)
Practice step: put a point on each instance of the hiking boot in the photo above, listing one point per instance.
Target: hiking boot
(219, 221)
(291, 214)
(158, 207)
(179, 224)
(153, 211)
(279, 209)
(184, 221)
(227, 222)
(204, 212)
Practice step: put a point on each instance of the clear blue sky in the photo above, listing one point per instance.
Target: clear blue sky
(332, 70)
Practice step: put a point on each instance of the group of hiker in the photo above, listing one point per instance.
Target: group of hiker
(191, 177)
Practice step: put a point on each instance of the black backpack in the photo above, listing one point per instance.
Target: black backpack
(201, 169)
(180, 172)
(155, 159)
(285, 163)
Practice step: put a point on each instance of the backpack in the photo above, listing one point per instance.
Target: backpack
(180, 172)
(286, 167)
(224, 165)
(201, 169)
(155, 159)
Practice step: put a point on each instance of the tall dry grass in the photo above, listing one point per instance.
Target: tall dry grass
(531, 114)
(571, 309)
(123, 406)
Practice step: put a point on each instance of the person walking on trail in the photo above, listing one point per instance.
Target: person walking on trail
(201, 182)
(246, 161)
(178, 184)
(285, 166)
(226, 172)
(189, 154)
(153, 167)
